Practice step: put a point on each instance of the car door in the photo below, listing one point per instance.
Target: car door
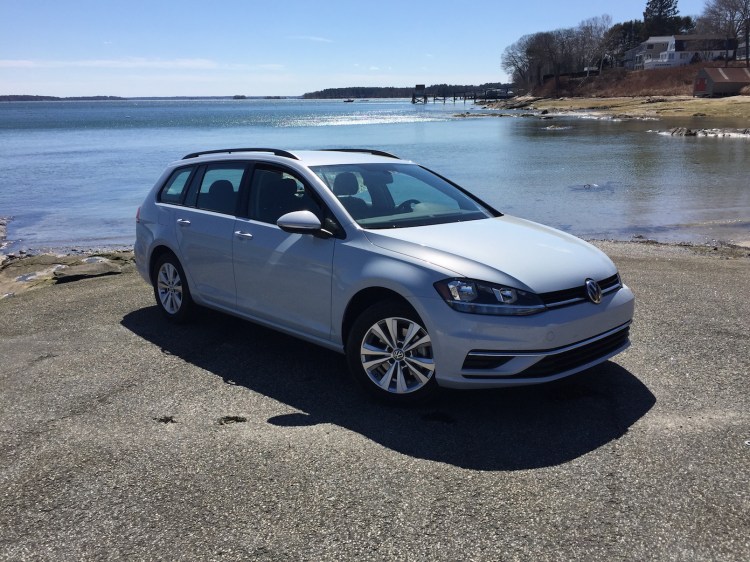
(205, 234)
(282, 278)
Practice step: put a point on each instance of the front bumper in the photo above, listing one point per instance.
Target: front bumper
(477, 351)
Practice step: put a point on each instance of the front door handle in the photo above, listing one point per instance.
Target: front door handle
(243, 235)
(183, 222)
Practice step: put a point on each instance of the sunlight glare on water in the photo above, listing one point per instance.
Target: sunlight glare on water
(75, 172)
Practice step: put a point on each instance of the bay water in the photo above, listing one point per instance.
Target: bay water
(74, 172)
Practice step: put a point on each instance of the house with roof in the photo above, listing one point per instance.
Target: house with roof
(650, 49)
(712, 82)
(687, 49)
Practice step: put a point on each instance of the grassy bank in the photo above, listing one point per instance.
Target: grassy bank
(641, 93)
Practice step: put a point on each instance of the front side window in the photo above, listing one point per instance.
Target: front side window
(275, 192)
(398, 195)
(220, 188)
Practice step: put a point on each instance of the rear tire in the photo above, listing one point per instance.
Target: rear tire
(171, 289)
(389, 352)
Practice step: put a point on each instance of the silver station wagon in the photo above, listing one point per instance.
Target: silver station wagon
(416, 280)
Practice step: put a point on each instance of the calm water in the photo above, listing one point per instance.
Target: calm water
(73, 173)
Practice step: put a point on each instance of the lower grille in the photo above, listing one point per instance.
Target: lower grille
(560, 362)
(567, 360)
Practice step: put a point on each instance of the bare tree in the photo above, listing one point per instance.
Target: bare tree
(591, 37)
(518, 63)
(730, 18)
(525, 60)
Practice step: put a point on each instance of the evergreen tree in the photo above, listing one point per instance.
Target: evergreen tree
(661, 18)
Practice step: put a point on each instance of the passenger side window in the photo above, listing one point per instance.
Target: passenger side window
(220, 188)
(173, 190)
(275, 192)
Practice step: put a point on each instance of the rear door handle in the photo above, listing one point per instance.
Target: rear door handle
(243, 235)
(183, 222)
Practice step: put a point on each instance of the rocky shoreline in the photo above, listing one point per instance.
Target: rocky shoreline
(724, 133)
(736, 108)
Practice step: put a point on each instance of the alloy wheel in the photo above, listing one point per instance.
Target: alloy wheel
(169, 288)
(396, 355)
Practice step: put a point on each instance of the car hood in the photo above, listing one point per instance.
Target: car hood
(505, 250)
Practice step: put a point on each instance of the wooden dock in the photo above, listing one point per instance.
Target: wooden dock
(420, 95)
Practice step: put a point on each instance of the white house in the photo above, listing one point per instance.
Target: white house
(685, 49)
(649, 50)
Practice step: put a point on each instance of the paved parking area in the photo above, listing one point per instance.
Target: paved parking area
(125, 437)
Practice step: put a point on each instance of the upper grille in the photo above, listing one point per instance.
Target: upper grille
(578, 294)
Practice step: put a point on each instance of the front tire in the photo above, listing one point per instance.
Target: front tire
(389, 352)
(171, 289)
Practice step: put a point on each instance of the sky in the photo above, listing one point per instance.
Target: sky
(271, 48)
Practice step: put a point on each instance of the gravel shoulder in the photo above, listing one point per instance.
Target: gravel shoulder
(122, 436)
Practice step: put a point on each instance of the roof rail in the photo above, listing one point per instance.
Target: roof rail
(275, 151)
(365, 151)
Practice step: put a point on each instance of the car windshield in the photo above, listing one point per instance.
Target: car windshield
(399, 195)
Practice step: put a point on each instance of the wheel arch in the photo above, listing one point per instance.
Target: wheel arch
(365, 299)
(157, 253)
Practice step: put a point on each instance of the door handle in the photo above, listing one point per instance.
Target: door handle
(243, 235)
(183, 222)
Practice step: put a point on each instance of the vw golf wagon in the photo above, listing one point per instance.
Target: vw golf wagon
(417, 281)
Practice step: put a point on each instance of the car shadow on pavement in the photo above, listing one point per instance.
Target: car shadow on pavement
(504, 429)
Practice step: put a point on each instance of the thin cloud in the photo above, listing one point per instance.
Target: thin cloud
(311, 38)
(18, 64)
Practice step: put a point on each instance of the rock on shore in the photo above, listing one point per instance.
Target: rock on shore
(21, 273)
(3, 232)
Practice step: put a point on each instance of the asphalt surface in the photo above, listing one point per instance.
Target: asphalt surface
(125, 437)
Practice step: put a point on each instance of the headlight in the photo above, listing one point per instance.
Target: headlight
(478, 297)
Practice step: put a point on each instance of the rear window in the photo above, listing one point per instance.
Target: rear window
(173, 191)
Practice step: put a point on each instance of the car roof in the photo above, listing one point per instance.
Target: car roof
(305, 157)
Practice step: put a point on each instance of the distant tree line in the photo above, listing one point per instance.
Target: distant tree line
(54, 98)
(392, 92)
(596, 43)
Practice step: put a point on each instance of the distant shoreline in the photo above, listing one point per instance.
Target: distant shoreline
(25, 98)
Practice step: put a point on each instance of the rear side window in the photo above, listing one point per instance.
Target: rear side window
(174, 190)
(220, 187)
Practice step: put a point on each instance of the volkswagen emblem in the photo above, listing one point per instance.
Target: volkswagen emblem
(593, 291)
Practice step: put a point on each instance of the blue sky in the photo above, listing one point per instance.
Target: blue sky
(277, 47)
